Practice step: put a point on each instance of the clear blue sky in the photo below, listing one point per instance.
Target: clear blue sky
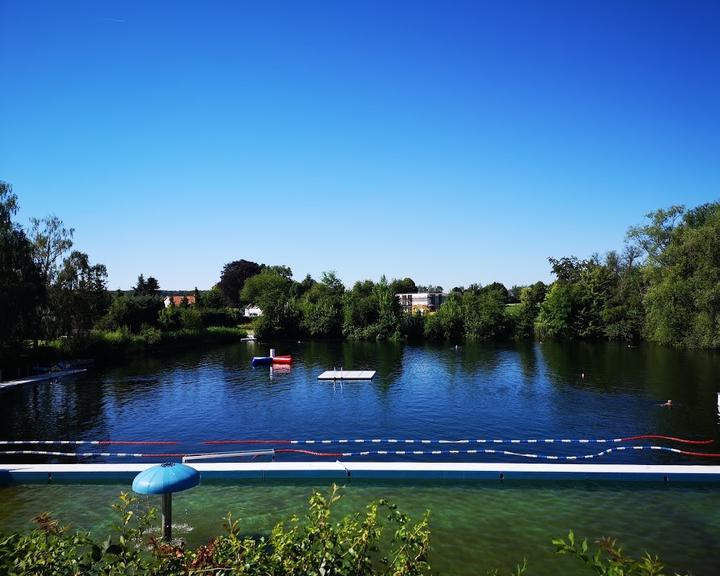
(451, 142)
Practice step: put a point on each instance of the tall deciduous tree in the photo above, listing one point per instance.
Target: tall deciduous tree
(683, 299)
(403, 286)
(80, 293)
(51, 241)
(233, 278)
(22, 290)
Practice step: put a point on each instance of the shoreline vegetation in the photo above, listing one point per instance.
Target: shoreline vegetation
(664, 287)
(379, 540)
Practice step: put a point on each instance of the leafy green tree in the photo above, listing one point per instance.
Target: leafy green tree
(624, 311)
(484, 315)
(683, 298)
(653, 238)
(280, 318)
(322, 307)
(389, 311)
(403, 286)
(284, 271)
(233, 277)
(360, 310)
(429, 288)
(514, 294)
(302, 287)
(211, 299)
(531, 297)
(132, 312)
(80, 296)
(556, 317)
(266, 289)
(22, 290)
(51, 241)
(448, 322)
(331, 280)
(499, 289)
(592, 292)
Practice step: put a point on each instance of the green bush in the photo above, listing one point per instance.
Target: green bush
(608, 558)
(379, 541)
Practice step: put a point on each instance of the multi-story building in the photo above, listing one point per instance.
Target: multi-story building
(422, 302)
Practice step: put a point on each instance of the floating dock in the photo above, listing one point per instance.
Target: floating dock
(347, 375)
(404, 471)
(42, 377)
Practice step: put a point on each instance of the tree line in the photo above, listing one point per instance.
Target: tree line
(51, 292)
(664, 287)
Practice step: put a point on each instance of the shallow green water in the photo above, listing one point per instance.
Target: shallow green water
(475, 526)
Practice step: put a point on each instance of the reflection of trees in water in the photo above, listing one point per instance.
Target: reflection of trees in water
(602, 365)
(57, 410)
(140, 378)
(650, 373)
(527, 355)
(613, 366)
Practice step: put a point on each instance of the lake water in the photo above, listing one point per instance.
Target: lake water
(544, 390)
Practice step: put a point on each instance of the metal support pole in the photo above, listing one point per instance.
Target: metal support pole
(167, 516)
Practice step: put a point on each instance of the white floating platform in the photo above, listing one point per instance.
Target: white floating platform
(404, 471)
(42, 377)
(347, 375)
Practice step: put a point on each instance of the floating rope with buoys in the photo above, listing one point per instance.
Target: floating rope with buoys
(470, 451)
(90, 454)
(282, 447)
(91, 442)
(465, 441)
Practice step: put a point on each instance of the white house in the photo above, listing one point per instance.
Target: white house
(252, 311)
(422, 302)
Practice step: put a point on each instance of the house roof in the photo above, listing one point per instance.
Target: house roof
(177, 300)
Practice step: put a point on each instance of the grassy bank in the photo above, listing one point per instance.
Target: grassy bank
(104, 343)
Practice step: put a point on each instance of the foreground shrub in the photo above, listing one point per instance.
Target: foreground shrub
(608, 559)
(379, 541)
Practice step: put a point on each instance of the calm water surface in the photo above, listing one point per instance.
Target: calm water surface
(534, 391)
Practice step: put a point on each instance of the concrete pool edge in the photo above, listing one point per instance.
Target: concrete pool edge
(88, 473)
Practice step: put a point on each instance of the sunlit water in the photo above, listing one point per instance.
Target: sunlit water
(536, 391)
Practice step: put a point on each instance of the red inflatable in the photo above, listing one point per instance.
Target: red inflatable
(282, 359)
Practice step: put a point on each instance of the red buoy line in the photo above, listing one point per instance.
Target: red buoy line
(669, 438)
(465, 441)
(362, 441)
(381, 453)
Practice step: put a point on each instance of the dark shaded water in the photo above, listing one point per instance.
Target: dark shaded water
(536, 391)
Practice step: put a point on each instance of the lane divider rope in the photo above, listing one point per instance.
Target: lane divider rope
(360, 441)
(88, 454)
(90, 442)
(519, 454)
(467, 441)
(382, 453)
